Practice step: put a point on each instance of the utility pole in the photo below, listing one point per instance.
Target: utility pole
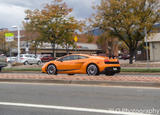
(27, 44)
(146, 37)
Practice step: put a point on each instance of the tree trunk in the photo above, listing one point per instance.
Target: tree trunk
(53, 50)
(131, 53)
(35, 50)
(67, 49)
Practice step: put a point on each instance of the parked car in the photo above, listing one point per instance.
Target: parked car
(3, 61)
(11, 59)
(29, 59)
(46, 58)
(125, 56)
(82, 64)
(120, 56)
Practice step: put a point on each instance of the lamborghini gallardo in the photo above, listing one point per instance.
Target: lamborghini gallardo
(82, 64)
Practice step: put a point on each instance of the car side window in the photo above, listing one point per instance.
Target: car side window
(27, 56)
(65, 58)
(82, 57)
(31, 56)
(72, 57)
(75, 57)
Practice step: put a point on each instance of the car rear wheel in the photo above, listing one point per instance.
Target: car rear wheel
(92, 69)
(51, 69)
(39, 63)
(26, 63)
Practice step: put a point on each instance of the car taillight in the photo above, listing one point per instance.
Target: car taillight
(21, 58)
(106, 60)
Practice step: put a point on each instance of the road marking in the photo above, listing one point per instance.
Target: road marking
(70, 108)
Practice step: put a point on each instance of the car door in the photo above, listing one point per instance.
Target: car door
(64, 64)
(79, 61)
(30, 59)
(71, 63)
(45, 58)
(34, 59)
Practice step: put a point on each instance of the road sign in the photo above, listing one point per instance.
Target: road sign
(9, 37)
(75, 38)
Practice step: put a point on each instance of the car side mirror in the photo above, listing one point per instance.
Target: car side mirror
(60, 60)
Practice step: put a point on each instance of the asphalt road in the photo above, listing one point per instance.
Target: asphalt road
(49, 99)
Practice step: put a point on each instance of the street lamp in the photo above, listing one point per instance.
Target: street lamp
(27, 45)
(18, 35)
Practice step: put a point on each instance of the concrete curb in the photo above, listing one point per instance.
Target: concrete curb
(104, 83)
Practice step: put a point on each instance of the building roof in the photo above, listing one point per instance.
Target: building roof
(85, 46)
(154, 37)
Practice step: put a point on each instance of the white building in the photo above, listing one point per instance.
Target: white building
(154, 45)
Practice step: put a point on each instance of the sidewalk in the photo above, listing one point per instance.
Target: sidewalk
(117, 80)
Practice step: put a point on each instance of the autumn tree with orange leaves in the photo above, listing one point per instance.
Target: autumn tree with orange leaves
(54, 24)
(127, 20)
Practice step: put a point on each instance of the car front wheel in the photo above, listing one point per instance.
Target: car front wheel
(92, 69)
(51, 69)
(39, 63)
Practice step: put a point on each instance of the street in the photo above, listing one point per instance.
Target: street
(50, 99)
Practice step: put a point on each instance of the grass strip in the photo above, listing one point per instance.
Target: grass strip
(21, 69)
(141, 70)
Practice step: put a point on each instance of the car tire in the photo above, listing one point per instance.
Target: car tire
(51, 69)
(92, 69)
(26, 63)
(39, 63)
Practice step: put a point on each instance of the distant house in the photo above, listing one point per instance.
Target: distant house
(154, 45)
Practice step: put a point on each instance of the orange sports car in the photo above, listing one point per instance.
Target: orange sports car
(82, 64)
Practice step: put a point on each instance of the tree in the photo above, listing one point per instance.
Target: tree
(70, 26)
(107, 44)
(50, 22)
(3, 44)
(33, 36)
(127, 20)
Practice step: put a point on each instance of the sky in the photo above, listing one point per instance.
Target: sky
(12, 11)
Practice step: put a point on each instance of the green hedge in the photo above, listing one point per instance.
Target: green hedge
(140, 70)
(21, 69)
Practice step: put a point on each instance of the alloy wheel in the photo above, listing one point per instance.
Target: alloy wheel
(51, 70)
(92, 70)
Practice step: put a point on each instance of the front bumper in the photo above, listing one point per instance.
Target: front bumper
(3, 65)
(112, 70)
